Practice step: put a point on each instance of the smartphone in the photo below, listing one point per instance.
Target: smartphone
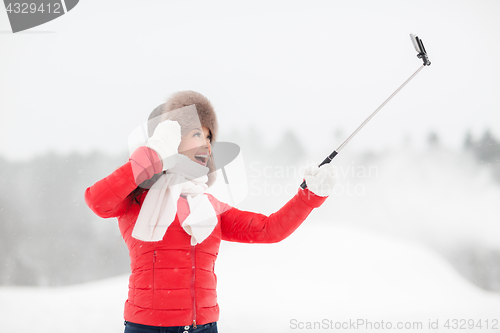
(414, 40)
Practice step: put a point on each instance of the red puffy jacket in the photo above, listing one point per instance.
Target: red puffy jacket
(173, 283)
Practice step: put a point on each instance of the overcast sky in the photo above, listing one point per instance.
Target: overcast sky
(85, 80)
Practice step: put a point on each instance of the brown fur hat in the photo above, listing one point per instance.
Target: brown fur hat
(206, 116)
(205, 110)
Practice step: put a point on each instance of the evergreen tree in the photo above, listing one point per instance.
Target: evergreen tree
(488, 149)
(469, 141)
(433, 139)
(289, 150)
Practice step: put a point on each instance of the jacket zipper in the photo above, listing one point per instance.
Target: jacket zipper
(193, 277)
(153, 286)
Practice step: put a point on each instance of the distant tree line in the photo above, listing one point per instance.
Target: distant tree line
(48, 236)
(486, 150)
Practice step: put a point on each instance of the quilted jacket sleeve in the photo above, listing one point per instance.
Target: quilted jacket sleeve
(247, 227)
(107, 197)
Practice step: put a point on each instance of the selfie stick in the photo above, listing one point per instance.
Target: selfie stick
(422, 54)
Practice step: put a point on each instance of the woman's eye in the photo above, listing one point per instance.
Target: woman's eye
(197, 134)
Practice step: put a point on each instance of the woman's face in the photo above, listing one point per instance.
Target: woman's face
(196, 145)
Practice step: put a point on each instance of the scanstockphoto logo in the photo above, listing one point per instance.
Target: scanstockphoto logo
(25, 15)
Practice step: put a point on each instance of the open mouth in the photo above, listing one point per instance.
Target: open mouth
(201, 159)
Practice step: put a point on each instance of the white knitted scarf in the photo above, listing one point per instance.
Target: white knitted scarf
(159, 208)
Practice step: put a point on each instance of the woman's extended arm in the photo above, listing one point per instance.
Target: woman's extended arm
(247, 227)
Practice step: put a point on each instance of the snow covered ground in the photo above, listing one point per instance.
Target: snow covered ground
(323, 276)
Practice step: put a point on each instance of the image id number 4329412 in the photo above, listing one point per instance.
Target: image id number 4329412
(31, 8)
(471, 324)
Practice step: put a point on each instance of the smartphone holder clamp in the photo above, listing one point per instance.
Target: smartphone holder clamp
(419, 46)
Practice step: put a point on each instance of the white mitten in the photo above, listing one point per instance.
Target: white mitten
(165, 141)
(320, 180)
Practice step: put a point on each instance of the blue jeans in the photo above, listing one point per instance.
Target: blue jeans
(138, 328)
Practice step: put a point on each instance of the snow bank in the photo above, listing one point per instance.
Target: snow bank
(342, 273)
(91, 307)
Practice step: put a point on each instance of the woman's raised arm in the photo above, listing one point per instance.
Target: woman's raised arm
(107, 197)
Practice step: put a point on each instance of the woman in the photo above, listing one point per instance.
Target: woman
(173, 229)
